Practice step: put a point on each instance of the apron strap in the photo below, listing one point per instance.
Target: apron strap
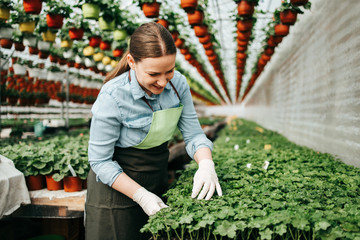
(146, 101)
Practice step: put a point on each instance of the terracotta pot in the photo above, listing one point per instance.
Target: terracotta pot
(212, 58)
(244, 25)
(188, 5)
(84, 186)
(70, 63)
(33, 50)
(269, 51)
(243, 36)
(105, 45)
(184, 51)
(76, 33)
(195, 17)
(6, 43)
(44, 54)
(53, 185)
(54, 20)
(278, 39)
(35, 182)
(243, 43)
(265, 57)
(32, 6)
(62, 61)
(210, 52)
(72, 184)
(179, 43)
(151, 10)
(94, 41)
(188, 56)
(117, 52)
(201, 30)
(175, 35)
(288, 17)
(242, 48)
(241, 55)
(271, 42)
(208, 45)
(281, 30)
(4, 13)
(299, 2)
(90, 11)
(19, 46)
(163, 22)
(245, 8)
(205, 39)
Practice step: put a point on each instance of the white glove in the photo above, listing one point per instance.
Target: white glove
(206, 178)
(149, 202)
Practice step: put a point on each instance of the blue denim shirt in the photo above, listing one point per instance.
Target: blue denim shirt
(120, 117)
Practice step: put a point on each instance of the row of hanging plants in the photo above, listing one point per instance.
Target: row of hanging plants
(245, 22)
(278, 28)
(201, 24)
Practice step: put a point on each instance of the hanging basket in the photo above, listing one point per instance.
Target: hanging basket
(243, 36)
(281, 30)
(151, 10)
(195, 17)
(28, 27)
(105, 45)
(30, 41)
(48, 36)
(76, 33)
(6, 43)
(205, 39)
(94, 41)
(117, 52)
(66, 43)
(208, 45)
(33, 50)
(43, 46)
(54, 20)
(245, 8)
(189, 5)
(269, 51)
(245, 25)
(19, 46)
(4, 13)
(201, 30)
(6, 32)
(106, 26)
(179, 43)
(32, 6)
(288, 17)
(299, 2)
(163, 22)
(90, 11)
(72, 184)
(119, 34)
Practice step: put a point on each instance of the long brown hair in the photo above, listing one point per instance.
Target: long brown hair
(150, 40)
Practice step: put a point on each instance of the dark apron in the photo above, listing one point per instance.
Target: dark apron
(110, 215)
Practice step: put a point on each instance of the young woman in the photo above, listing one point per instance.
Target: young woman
(137, 110)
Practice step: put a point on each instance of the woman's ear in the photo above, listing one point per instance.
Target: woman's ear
(130, 61)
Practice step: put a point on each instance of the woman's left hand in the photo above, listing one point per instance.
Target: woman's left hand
(206, 179)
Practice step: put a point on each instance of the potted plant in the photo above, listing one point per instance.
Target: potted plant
(19, 67)
(188, 5)
(246, 7)
(150, 8)
(120, 34)
(32, 6)
(5, 7)
(76, 27)
(196, 17)
(105, 43)
(56, 12)
(108, 16)
(287, 13)
(65, 41)
(30, 40)
(27, 22)
(6, 30)
(91, 8)
(17, 37)
(48, 34)
(118, 48)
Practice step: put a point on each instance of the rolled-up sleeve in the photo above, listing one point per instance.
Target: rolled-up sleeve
(104, 132)
(189, 125)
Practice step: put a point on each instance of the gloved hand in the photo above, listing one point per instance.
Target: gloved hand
(206, 178)
(148, 201)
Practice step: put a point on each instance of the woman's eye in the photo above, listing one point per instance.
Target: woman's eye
(153, 74)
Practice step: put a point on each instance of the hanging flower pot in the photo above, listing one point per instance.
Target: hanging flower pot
(70, 63)
(205, 39)
(35, 182)
(179, 43)
(151, 10)
(77, 65)
(53, 185)
(244, 25)
(98, 57)
(196, 17)
(89, 63)
(106, 25)
(288, 17)
(210, 52)
(106, 60)
(43, 46)
(4, 13)
(119, 34)
(94, 41)
(19, 46)
(245, 8)
(54, 20)
(33, 50)
(29, 41)
(34, 72)
(184, 51)
(32, 6)
(271, 42)
(6, 32)
(88, 51)
(78, 59)
(53, 58)
(243, 35)
(66, 43)
(189, 5)
(68, 54)
(28, 27)
(62, 61)
(242, 48)
(299, 2)
(90, 11)
(6, 43)
(72, 184)
(12, 100)
(265, 57)
(269, 51)
(201, 30)
(105, 45)
(163, 22)
(212, 58)
(281, 30)
(117, 52)
(48, 36)
(76, 33)
(43, 54)
(208, 45)
(19, 69)
(175, 35)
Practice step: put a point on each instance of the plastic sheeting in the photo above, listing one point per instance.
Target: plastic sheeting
(310, 90)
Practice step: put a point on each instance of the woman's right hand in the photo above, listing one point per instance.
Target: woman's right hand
(148, 201)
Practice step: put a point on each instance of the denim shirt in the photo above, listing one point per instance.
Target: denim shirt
(121, 118)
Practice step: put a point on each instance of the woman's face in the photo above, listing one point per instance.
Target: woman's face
(153, 73)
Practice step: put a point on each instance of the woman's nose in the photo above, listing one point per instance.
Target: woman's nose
(162, 81)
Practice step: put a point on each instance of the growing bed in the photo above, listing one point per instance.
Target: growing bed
(303, 194)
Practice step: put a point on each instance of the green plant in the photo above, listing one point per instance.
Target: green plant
(77, 21)
(17, 36)
(141, 2)
(54, 68)
(20, 16)
(7, 4)
(11, 92)
(43, 27)
(58, 7)
(5, 24)
(110, 12)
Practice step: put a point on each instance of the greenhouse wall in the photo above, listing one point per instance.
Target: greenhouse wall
(310, 90)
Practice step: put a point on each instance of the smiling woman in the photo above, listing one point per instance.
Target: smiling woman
(134, 116)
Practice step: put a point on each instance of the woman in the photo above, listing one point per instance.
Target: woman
(134, 116)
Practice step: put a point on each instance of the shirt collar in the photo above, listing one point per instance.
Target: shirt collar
(136, 90)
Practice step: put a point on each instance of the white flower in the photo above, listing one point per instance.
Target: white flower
(227, 139)
(248, 165)
(266, 165)
(236, 147)
(247, 141)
